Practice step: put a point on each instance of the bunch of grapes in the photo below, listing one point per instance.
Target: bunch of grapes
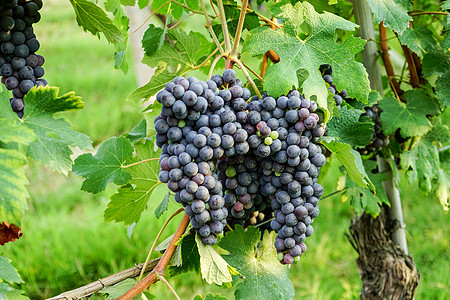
(231, 158)
(379, 139)
(327, 71)
(20, 66)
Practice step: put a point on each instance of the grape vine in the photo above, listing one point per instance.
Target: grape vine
(246, 156)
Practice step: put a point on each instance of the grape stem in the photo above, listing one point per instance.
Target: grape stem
(161, 277)
(156, 240)
(161, 266)
(239, 29)
(209, 26)
(253, 72)
(223, 21)
(213, 65)
(247, 76)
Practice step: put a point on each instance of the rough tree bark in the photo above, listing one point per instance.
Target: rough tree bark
(385, 268)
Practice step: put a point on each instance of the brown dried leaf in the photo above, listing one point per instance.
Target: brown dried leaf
(9, 233)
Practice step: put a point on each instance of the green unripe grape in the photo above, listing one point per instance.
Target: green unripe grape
(230, 172)
(258, 133)
(274, 135)
(268, 141)
(280, 256)
(278, 174)
(181, 123)
(297, 258)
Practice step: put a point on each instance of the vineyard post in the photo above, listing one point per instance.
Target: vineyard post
(363, 16)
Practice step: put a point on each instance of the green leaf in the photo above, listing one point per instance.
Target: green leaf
(210, 296)
(362, 198)
(410, 118)
(422, 163)
(190, 257)
(138, 132)
(417, 39)
(153, 39)
(350, 129)
(93, 19)
(12, 132)
(445, 4)
(13, 193)
(10, 293)
(437, 62)
(265, 277)
(8, 272)
(143, 3)
(106, 166)
(232, 13)
(117, 290)
(308, 49)
(53, 136)
(394, 13)
(173, 59)
(162, 207)
(351, 160)
(213, 267)
(131, 200)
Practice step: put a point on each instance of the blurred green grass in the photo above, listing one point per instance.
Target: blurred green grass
(66, 244)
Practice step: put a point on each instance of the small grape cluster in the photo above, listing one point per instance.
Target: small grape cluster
(231, 158)
(379, 139)
(327, 71)
(20, 66)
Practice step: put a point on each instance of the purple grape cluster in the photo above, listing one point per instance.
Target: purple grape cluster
(379, 139)
(231, 158)
(327, 71)
(20, 66)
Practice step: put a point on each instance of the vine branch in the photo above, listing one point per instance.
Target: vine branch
(249, 79)
(240, 26)
(209, 26)
(97, 285)
(387, 61)
(162, 264)
(223, 21)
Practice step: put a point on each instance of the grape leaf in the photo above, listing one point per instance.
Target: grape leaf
(128, 204)
(162, 207)
(437, 62)
(361, 198)
(153, 39)
(93, 19)
(349, 129)
(53, 136)
(8, 272)
(12, 132)
(210, 296)
(422, 163)
(175, 58)
(350, 159)
(13, 194)
(316, 48)
(138, 132)
(213, 267)
(417, 39)
(265, 277)
(122, 22)
(143, 3)
(394, 13)
(106, 166)
(9, 233)
(163, 8)
(118, 289)
(10, 293)
(190, 257)
(410, 118)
